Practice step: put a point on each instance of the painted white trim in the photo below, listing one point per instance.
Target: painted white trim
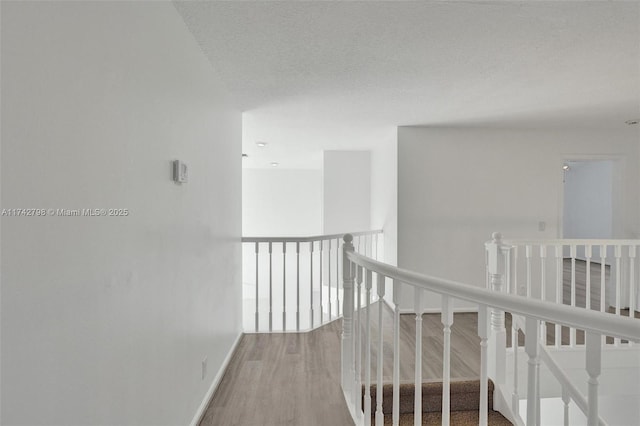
(216, 382)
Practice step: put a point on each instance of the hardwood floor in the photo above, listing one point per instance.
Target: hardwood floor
(294, 379)
(282, 379)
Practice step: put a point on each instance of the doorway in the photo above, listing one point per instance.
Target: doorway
(588, 199)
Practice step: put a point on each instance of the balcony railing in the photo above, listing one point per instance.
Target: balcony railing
(294, 283)
(364, 275)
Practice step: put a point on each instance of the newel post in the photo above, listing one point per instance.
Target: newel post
(497, 267)
(348, 276)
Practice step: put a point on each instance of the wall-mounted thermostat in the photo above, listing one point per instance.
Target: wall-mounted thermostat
(180, 172)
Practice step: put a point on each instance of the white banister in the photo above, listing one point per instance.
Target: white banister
(284, 286)
(367, 346)
(321, 283)
(587, 254)
(311, 314)
(497, 255)
(572, 331)
(515, 397)
(565, 401)
(270, 286)
(338, 276)
(358, 344)
(447, 321)
(417, 404)
(594, 365)
(347, 337)
(559, 289)
(380, 280)
(483, 333)
(257, 280)
(532, 349)
(618, 256)
(396, 353)
(329, 278)
(297, 286)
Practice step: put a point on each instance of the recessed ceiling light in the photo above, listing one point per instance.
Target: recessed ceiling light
(261, 144)
(632, 122)
(274, 164)
(565, 167)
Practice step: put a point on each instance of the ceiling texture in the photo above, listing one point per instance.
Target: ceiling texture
(343, 75)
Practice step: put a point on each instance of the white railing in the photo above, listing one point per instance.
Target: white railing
(492, 303)
(595, 275)
(293, 283)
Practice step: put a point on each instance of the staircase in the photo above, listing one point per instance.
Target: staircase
(465, 399)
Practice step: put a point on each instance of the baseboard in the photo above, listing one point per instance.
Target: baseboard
(214, 385)
(438, 310)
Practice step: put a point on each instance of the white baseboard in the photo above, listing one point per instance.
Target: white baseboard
(438, 310)
(214, 385)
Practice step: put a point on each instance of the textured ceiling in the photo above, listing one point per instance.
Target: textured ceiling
(318, 68)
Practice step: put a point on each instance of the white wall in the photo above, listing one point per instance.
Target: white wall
(457, 186)
(281, 202)
(346, 191)
(106, 320)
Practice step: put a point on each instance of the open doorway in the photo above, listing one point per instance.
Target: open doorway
(588, 199)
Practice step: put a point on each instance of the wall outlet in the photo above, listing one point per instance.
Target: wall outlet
(204, 368)
(542, 226)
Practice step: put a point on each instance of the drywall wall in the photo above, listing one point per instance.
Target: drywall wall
(107, 320)
(457, 186)
(346, 188)
(281, 202)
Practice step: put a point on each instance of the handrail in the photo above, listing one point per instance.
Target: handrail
(305, 239)
(598, 322)
(572, 241)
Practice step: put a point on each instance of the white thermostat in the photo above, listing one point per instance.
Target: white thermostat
(180, 174)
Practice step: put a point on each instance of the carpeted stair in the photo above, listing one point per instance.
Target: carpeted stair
(465, 399)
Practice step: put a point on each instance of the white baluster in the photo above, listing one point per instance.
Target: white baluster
(515, 270)
(257, 280)
(284, 286)
(528, 249)
(397, 287)
(348, 370)
(572, 330)
(515, 398)
(618, 254)
(376, 252)
(594, 361)
(358, 351)
(311, 281)
(338, 277)
(566, 400)
(417, 404)
(603, 280)
(632, 283)
(543, 289)
(321, 282)
(532, 330)
(298, 286)
(497, 254)
(483, 333)
(367, 346)
(270, 286)
(587, 254)
(559, 290)
(447, 321)
(329, 277)
(380, 358)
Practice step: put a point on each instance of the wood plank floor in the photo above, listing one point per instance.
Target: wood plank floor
(294, 379)
(282, 379)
